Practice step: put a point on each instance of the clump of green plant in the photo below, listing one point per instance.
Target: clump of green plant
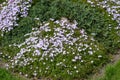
(58, 50)
(95, 21)
(112, 8)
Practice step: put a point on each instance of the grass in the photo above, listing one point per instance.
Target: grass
(112, 72)
(6, 75)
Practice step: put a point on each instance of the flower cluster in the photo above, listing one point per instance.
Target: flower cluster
(111, 6)
(57, 44)
(9, 12)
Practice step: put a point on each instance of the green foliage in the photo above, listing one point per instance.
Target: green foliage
(95, 21)
(1, 1)
(61, 65)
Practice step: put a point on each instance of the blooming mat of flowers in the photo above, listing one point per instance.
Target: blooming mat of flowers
(111, 6)
(57, 49)
(9, 12)
(113, 9)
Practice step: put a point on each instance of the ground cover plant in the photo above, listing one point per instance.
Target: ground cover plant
(10, 12)
(112, 7)
(52, 49)
(95, 21)
(58, 39)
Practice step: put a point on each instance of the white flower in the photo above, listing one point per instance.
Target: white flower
(37, 52)
(46, 24)
(76, 57)
(51, 55)
(99, 56)
(75, 67)
(35, 73)
(73, 60)
(40, 44)
(92, 61)
(77, 71)
(64, 52)
(51, 60)
(37, 18)
(58, 64)
(82, 31)
(51, 19)
(26, 75)
(20, 73)
(82, 61)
